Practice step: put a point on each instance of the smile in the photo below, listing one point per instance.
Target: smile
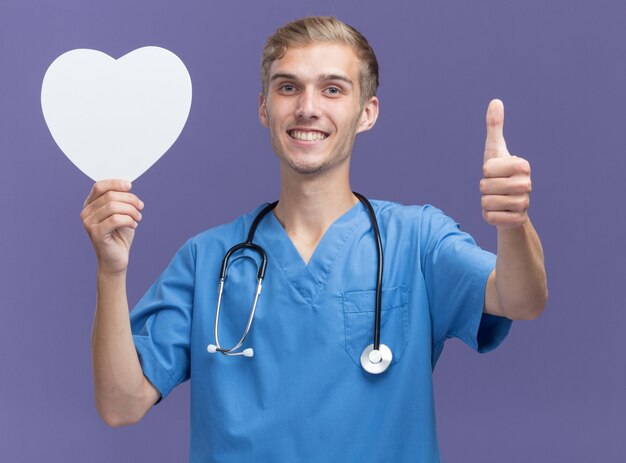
(307, 135)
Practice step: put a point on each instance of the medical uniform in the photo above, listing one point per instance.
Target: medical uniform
(304, 397)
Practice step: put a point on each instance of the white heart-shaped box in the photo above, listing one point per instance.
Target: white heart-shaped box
(115, 118)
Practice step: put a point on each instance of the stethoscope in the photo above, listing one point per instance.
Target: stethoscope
(375, 358)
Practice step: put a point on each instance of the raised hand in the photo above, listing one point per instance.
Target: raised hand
(110, 215)
(506, 184)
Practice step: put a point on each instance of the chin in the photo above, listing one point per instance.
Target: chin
(307, 169)
(303, 164)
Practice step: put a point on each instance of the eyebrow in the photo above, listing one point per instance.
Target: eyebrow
(321, 78)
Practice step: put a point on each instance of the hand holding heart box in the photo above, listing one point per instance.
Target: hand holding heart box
(116, 118)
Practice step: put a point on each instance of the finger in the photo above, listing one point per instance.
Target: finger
(506, 167)
(111, 196)
(110, 209)
(495, 146)
(505, 203)
(113, 223)
(101, 187)
(516, 185)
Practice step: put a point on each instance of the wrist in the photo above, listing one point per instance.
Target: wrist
(106, 272)
(517, 228)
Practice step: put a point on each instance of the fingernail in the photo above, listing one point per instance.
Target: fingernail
(127, 185)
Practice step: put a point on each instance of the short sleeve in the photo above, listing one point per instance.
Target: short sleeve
(161, 323)
(456, 270)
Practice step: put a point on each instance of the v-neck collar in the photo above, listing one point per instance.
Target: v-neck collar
(308, 280)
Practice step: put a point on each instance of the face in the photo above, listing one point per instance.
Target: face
(313, 107)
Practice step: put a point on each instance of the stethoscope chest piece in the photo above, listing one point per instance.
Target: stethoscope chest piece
(376, 361)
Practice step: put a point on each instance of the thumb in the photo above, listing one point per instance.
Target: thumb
(495, 146)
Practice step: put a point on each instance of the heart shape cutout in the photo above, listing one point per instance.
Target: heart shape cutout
(116, 118)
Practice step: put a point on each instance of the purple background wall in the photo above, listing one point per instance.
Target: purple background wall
(554, 392)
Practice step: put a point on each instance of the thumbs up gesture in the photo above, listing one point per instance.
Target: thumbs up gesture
(505, 185)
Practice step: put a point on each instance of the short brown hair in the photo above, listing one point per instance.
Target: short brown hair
(311, 29)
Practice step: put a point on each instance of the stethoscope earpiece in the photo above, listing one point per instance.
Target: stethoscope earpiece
(212, 348)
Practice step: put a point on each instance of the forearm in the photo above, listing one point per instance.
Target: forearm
(123, 395)
(520, 277)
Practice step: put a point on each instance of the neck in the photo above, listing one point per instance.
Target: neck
(309, 205)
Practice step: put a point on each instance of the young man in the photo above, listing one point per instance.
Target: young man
(305, 394)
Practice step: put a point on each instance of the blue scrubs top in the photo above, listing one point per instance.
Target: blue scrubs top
(304, 396)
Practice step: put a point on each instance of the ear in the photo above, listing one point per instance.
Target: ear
(369, 114)
(263, 111)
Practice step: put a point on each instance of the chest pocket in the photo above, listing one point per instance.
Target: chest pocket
(358, 313)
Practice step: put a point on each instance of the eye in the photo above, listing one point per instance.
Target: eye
(287, 88)
(333, 91)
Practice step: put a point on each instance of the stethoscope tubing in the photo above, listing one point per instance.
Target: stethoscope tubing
(248, 244)
(379, 275)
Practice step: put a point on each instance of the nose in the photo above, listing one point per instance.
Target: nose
(308, 105)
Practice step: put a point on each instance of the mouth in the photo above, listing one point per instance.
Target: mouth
(307, 135)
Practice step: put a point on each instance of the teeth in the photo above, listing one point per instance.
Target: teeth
(307, 135)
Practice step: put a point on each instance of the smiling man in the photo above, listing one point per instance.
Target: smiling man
(332, 361)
